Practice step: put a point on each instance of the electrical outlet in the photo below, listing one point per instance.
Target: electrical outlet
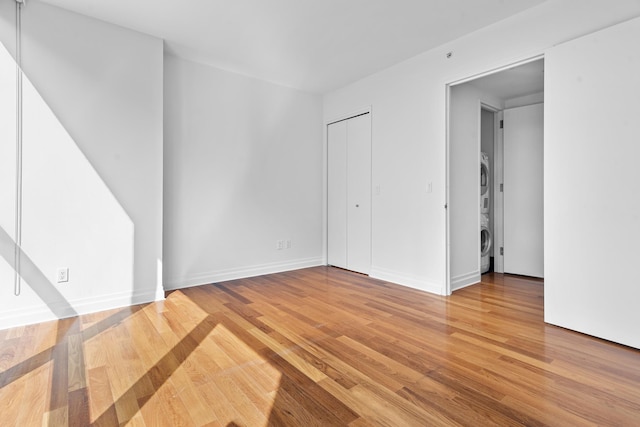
(63, 275)
(280, 245)
(288, 244)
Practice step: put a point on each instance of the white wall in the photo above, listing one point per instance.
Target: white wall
(592, 184)
(92, 165)
(409, 127)
(464, 184)
(243, 169)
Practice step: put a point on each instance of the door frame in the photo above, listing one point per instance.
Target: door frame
(448, 87)
(367, 109)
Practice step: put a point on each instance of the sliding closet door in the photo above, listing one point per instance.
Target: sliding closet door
(592, 184)
(349, 194)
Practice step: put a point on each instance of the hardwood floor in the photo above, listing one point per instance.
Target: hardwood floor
(319, 346)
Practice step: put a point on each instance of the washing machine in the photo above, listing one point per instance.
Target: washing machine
(484, 183)
(486, 240)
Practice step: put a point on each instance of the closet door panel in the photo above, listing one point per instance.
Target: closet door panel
(359, 194)
(592, 184)
(337, 194)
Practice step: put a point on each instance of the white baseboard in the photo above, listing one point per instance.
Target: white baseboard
(406, 280)
(197, 279)
(61, 310)
(464, 280)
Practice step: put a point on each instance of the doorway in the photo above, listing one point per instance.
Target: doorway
(472, 104)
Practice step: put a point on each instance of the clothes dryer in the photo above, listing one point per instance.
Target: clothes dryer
(485, 174)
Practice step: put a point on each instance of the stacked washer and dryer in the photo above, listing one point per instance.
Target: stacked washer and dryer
(485, 230)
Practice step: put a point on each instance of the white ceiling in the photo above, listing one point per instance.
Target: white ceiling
(514, 82)
(313, 45)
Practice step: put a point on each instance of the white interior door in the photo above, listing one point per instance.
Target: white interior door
(337, 194)
(523, 191)
(359, 193)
